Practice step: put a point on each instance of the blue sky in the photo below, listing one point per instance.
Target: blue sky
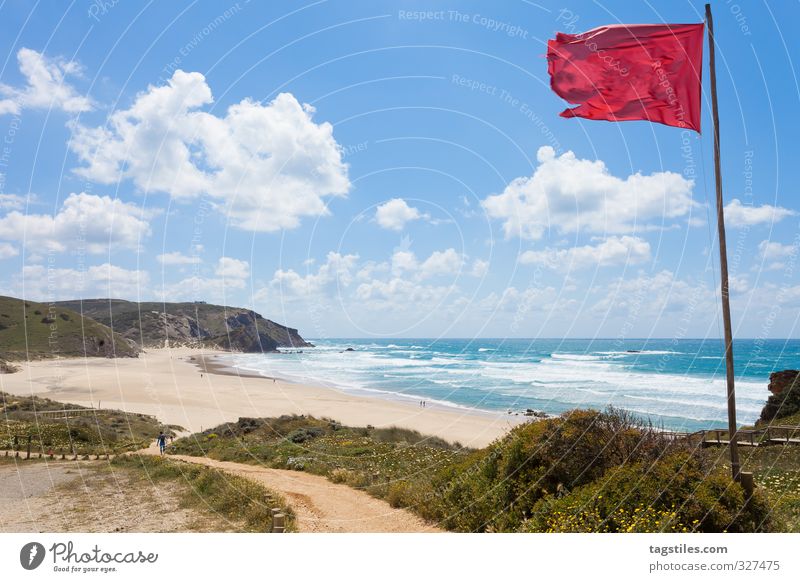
(389, 169)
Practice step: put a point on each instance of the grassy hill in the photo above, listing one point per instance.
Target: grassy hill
(154, 324)
(103, 432)
(30, 330)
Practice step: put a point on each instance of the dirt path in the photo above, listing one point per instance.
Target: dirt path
(88, 496)
(322, 506)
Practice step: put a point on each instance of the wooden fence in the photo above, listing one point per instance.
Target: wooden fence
(72, 412)
(760, 437)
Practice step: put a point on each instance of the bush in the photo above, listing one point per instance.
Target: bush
(496, 488)
(675, 494)
(340, 475)
(397, 494)
(302, 435)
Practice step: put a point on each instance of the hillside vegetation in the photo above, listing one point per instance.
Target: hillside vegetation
(30, 330)
(154, 324)
(103, 432)
(584, 471)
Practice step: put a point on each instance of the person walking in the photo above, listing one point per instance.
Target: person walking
(162, 442)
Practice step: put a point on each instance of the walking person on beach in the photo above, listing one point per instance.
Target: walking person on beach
(162, 442)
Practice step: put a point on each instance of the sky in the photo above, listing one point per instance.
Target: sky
(391, 168)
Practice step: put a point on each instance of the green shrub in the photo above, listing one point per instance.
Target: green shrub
(397, 494)
(302, 435)
(497, 487)
(675, 494)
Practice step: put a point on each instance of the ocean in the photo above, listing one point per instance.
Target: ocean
(676, 384)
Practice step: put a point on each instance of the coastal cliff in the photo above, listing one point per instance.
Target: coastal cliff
(154, 324)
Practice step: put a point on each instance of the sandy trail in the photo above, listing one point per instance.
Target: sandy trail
(91, 496)
(319, 505)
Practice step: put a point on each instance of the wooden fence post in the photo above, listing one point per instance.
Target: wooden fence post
(28, 456)
(275, 511)
(747, 483)
(278, 523)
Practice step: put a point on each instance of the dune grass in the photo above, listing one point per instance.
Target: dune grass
(245, 503)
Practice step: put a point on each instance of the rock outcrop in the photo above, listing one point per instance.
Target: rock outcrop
(785, 398)
(781, 381)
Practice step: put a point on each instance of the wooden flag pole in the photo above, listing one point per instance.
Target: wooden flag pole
(723, 259)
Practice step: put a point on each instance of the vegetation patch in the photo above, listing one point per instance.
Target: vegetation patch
(32, 330)
(679, 493)
(583, 471)
(393, 463)
(235, 498)
(101, 432)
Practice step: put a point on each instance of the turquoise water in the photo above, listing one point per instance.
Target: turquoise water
(677, 384)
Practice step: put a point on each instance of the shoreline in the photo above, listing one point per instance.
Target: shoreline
(210, 364)
(187, 387)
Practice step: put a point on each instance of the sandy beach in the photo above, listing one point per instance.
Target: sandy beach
(188, 387)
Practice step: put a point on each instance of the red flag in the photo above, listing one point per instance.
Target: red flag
(646, 72)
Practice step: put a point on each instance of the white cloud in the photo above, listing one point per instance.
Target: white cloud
(7, 251)
(404, 261)
(370, 269)
(738, 214)
(229, 275)
(96, 222)
(396, 285)
(394, 214)
(336, 269)
(40, 283)
(11, 202)
(479, 268)
(568, 194)
(647, 297)
(612, 251)
(268, 166)
(446, 262)
(771, 251)
(45, 87)
(738, 284)
(520, 303)
(774, 252)
(401, 294)
(229, 268)
(177, 258)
